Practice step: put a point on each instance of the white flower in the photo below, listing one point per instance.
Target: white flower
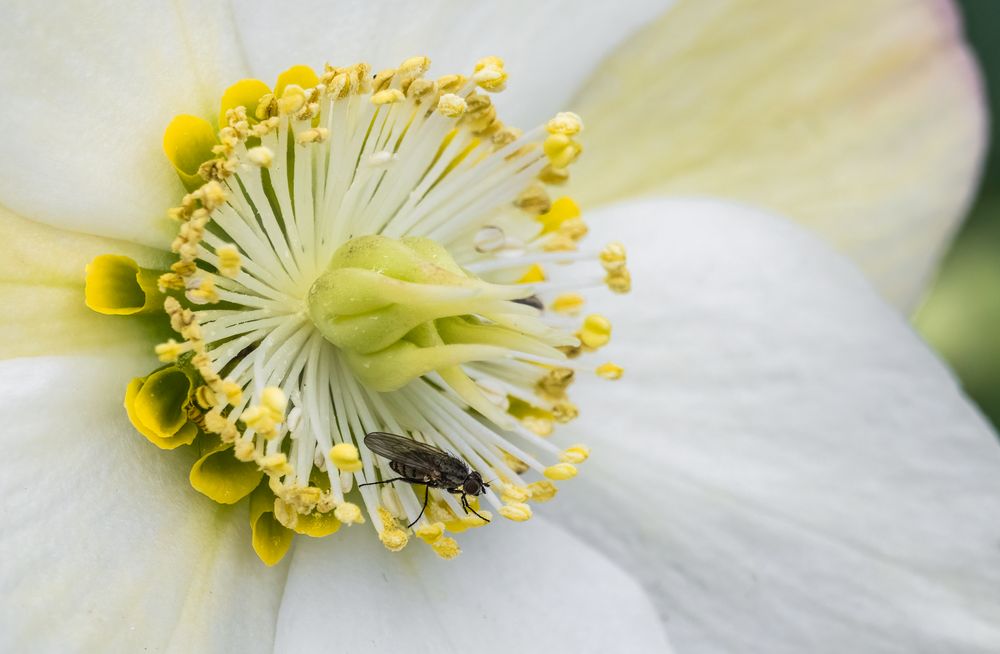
(783, 468)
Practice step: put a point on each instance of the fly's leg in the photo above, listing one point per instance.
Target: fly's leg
(387, 481)
(468, 507)
(427, 492)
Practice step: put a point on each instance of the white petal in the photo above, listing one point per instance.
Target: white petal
(88, 91)
(549, 47)
(105, 546)
(515, 588)
(41, 284)
(862, 119)
(784, 464)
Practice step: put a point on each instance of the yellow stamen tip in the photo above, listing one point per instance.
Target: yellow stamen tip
(610, 371)
(489, 74)
(387, 96)
(513, 494)
(273, 399)
(169, 351)
(596, 331)
(561, 471)
(447, 548)
(451, 105)
(575, 454)
(568, 303)
(261, 156)
(565, 122)
(275, 464)
(391, 535)
(516, 511)
(348, 513)
(345, 456)
(430, 531)
(229, 260)
(542, 491)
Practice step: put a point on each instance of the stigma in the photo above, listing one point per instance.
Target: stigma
(365, 252)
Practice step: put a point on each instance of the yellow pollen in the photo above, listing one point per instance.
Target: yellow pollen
(596, 331)
(513, 494)
(261, 156)
(619, 281)
(169, 351)
(275, 464)
(388, 96)
(561, 471)
(430, 531)
(391, 535)
(542, 491)
(613, 257)
(516, 511)
(244, 450)
(345, 457)
(229, 260)
(565, 122)
(610, 371)
(274, 401)
(447, 548)
(565, 411)
(232, 391)
(473, 520)
(489, 74)
(348, 513)
(575, 454)
(568, 303)
(284, 513)
(292, 100)
(451, 105)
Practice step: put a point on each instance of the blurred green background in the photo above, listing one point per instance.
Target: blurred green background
(961, 315)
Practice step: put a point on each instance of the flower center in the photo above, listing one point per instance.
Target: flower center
(372, 285)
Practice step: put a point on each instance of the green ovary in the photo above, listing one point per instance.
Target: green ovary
(400, 309)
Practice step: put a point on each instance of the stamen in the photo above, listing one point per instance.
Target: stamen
(363, 253)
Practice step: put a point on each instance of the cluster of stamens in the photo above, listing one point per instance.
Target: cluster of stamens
(368, 253)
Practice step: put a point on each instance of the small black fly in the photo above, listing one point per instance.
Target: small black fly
(432, 467)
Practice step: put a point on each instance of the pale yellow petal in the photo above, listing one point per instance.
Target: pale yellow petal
(41, 292)
(861, 119)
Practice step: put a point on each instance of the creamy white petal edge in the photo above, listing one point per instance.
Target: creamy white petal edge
(105, 547)
(862, 119)
(785, 465)
(90, 87)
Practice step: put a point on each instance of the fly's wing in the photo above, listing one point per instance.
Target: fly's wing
(430, 460)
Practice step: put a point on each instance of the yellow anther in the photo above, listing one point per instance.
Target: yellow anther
(391, 535)
(535, 273)
(610, 371)
(348, 513)
(169, 351)
(568, 303)
(205, 397)
(415, 66)
(575, 454)
(489, 74)
(284, 513)
(565, 411)
(541, 426)
(430, 531)
(542, 491)
(555, 382)
(387, 96)
(473, 520)
(316, 135)
(451, 105)
(345, 457)
(534, 199)
(292, 99)
(619, 281)
(447, 548)
(260, 156)
(565, 122)
(274, 401)
(562, 210)
(244, 450)
(561, 150)
(596, 331)
(215, 422)
(201, 290)
(516, 511)
(511, 493)
(613, 257)
(233, 392)
(275, 464)
(514, 463)
(451, 83)
(229, 260)
(561, 471)
(212, 195)
(553, 176)
(170, 282)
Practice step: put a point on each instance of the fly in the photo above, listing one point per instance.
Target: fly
(432, 467)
